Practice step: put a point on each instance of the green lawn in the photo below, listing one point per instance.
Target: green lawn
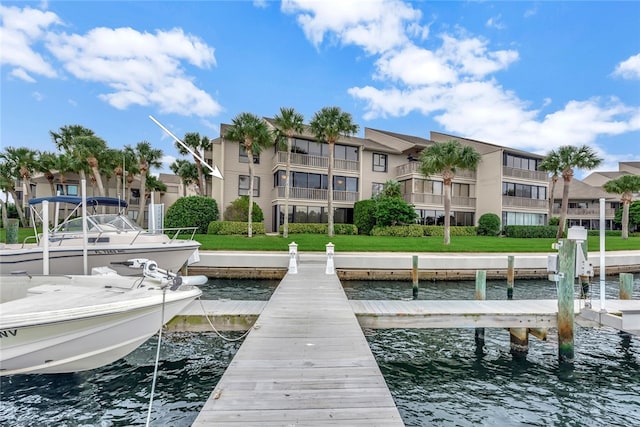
(316, 242)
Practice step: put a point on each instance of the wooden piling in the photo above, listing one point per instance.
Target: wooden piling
(510, 276)
(519, 340)
(414, 275)
(566, 262)
(481, 294)
(626, 285)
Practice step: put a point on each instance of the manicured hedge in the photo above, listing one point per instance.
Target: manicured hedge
(234, 228)
(489, 225)
(530, 231)
(416, 230)
(613, 233)
(320, 228)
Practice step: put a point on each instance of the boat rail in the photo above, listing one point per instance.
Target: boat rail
(96, 238)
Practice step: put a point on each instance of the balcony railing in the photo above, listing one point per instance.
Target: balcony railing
(414, 167)
(321, 162)
(438, 200)
(524, 202)
(586, 212)
(316, 194)
(525, 174)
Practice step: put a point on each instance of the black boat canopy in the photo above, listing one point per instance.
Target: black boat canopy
(75, 200)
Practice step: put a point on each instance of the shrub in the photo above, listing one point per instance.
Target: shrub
(454, 230)
(320, 228)
(238, 210)
(489, 225)
(530, 231)
(554, 220)
(234, 228)
(413, 230)
(192, 211)
(393, 211)
(363, 216)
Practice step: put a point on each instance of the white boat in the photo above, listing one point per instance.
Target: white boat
(61, 324)
(111, 239)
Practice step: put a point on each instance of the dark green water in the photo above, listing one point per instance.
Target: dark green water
(435, 376)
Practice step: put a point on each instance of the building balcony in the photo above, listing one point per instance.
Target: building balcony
(525, 174)
(316, 194)
(524, 202)
(414, 167)
(586, 212)
(320, 162)
(438, 200)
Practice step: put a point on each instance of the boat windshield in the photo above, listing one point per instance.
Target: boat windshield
(106, 222)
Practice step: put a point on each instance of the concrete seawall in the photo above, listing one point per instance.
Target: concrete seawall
(398, 265)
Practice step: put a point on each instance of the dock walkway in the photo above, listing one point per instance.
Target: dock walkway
(306, 362)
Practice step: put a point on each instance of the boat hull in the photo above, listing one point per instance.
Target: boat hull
(70, 260)
(87, 341)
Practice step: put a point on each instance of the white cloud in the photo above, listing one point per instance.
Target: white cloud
(456, 83)
(21, 29)
(496, 22)
(629, 69)
(21, 74)
(140, 68)
(37, 96)
(374, 25)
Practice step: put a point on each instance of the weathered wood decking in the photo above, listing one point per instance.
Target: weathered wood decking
(306, 362)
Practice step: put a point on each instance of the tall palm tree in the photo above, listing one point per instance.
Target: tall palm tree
(288, 123)
(328, 125)
(551, 165)
(94, 150)
(446, 158)
(147, 158)
(570, 157)
(47, 165)
(626, 185)
(22, 163)
(8, 186)
(253, 134)
(198, 144)
(187, 172)
(69, 139)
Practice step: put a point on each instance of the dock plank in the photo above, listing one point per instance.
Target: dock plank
(306, 361)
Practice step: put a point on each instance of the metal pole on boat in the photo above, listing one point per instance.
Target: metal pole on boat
(151, 226)
(45, 237)
(602, 266)
(85, 249)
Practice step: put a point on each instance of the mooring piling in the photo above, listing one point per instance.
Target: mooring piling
(481, 294)
(510, 276)
(414, 275)
(566, 275)
(626, 285)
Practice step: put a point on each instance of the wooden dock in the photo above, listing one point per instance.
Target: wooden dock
(305, 362)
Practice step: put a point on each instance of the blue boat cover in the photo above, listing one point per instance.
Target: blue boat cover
(75, 200)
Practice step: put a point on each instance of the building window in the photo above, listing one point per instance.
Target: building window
(376, 188)
(379, 162)
(519, 162)
(243, 158)
(243, 185)
(524, 190)
(523, 218)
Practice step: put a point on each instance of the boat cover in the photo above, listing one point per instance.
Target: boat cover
(75, 200)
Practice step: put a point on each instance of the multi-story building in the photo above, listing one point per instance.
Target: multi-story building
(506, 182)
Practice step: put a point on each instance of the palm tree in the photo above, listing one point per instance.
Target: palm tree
(22, 163)
(289, 122)
(328, 125)
(47, 165)
(626, 185)
(197, 143)
(445, 158)
(69, 139)
(551, 164)
(147, 158)
(253, 134)
(94, 150)
(187, 172)
(569, 156)
(8, 186)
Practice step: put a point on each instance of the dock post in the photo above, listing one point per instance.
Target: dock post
(330, 268)
(626, 285)
(481, 294)
(510, 276)
(293, 254)
(566, 267)
(414, 275)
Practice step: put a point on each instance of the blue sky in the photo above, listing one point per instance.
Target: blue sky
(527, 75)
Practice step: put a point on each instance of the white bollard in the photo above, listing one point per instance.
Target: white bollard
(330, 269)
(293, 253)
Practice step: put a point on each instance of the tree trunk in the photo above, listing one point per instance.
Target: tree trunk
(447, 210)
(287, 183)
(625, 219)
(249, 219)
(23, 220)
(202, 188)
(5, 217)
(564, 208)
(330, 191)
(554, 179)
(143, 204)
